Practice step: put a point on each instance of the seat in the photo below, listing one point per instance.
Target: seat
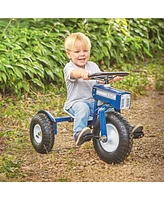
(66, 111)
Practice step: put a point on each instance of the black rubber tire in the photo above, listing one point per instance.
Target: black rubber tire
(47, 138)
(125, 141)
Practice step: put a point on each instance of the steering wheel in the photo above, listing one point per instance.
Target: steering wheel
(107, 76)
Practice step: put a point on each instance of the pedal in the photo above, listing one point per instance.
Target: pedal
(103, 138)
(88, 137)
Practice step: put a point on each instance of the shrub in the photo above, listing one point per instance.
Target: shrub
(32, 53)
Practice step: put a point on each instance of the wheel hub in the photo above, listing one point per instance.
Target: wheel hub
(113, 139)
(37, 133)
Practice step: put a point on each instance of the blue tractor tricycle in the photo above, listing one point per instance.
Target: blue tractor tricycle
(111, 133)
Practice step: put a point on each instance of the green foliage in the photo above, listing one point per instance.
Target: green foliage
(159, 79)
(116, 41)
(156, 71)
(16, 114)
(136, 82)
(32, 54)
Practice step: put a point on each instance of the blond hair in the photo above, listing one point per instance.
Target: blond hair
(76, 37)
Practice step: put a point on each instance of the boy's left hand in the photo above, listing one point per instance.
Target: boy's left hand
(117, 78)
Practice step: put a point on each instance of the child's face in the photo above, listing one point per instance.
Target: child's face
(79, 55)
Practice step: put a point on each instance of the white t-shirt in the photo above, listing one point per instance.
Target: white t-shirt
(79, 89)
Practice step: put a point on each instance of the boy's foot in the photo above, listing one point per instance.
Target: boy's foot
(81, 137)
(138, 131)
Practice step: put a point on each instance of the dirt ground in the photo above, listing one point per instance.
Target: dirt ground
(73, 164)
(69, 163)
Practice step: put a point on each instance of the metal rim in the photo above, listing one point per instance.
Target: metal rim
(113, 139)
(37, 133)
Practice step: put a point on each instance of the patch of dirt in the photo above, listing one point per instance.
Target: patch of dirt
(73, 164)
(2, 145)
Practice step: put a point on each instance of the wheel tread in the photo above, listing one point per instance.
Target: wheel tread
(47, 133)
(126, 137)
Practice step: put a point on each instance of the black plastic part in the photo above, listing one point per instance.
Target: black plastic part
(138, 135)
(109, 74)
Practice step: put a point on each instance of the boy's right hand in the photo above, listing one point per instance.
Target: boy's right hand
(85, 75)
(80, 73)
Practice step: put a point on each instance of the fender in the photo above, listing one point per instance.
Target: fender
(55, 120)
(48, 115)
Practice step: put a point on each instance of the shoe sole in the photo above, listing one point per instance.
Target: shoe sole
(137, 128)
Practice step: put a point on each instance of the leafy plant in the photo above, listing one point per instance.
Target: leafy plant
(136, 82)
(32, 54)
(159, 78)
(28, 54)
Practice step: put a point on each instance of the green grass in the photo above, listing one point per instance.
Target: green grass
(10, 166)
(15, 115)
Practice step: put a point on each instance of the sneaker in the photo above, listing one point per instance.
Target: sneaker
(137, 129)
(80, 137)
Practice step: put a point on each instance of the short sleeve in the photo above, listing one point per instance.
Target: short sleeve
(67, 72)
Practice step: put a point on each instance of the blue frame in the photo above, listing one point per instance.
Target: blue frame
(100, 111)
(108, 95)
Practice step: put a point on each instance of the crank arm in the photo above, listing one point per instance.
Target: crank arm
(101, 138)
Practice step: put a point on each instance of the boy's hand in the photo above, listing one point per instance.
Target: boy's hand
(85, 74)
(78, 73)
(117, 78)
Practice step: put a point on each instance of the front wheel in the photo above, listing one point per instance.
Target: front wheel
(119, 143)
(41, 133)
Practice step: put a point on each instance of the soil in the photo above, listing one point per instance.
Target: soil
(81, 164)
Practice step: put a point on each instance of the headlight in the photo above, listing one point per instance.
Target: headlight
(125, 101)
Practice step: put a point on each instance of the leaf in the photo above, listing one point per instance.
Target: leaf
(24, 85)
(18, 73)
(105, 50)
(44, 60)
(8, 66)
(2, 47)
(23, 40)
(21, 65)
(49, 72)
(3, 77)
(38, 82)
(2, 69)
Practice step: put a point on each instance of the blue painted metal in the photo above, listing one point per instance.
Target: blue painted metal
(103, 121)
(48, 114)
(108, 95)
(63, 119)
(55, 120)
